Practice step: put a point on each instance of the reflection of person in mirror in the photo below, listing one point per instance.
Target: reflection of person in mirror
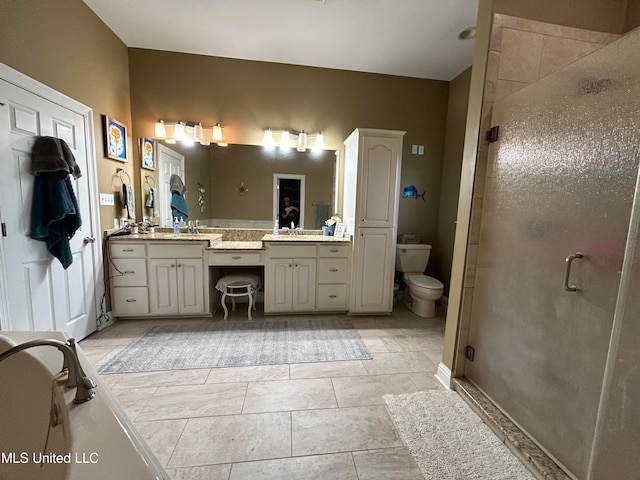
(289, 213)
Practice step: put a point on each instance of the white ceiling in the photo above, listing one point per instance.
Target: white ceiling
(413, 38)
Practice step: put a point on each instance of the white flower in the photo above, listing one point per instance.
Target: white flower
(333, 220)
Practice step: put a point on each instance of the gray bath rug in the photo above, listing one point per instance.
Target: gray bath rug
(240, 343)
(449, 441)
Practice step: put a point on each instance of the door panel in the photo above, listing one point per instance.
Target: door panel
(41, 295)
(560, 180)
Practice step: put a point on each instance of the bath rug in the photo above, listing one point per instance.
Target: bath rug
(240, 343)
(449, 441)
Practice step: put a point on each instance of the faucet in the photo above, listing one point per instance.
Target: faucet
(194, 227)
(76, 377)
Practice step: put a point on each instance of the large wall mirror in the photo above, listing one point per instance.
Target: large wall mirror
(235, 186)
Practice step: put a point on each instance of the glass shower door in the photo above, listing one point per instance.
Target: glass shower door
(560, 185)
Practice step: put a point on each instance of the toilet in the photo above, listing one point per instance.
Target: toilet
(411, 260)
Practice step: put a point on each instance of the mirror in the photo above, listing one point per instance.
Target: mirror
(240, 188)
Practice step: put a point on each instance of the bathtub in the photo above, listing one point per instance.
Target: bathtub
(44, 435)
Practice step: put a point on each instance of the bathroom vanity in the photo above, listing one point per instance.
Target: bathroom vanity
(167, 274)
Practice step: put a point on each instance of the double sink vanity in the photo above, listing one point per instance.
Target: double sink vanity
(168, 274)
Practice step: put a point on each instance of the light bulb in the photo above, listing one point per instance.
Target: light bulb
(216, 135)
(302, 142)
(319, 143)
(285, 141)
(267, 140)
(161, 132)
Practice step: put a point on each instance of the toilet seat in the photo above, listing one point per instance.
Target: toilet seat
(424, 281)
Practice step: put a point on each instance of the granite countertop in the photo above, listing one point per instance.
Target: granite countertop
(228, 240)
(304, 238)
(236, 245)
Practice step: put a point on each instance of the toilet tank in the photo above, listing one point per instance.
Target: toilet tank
(412, 257)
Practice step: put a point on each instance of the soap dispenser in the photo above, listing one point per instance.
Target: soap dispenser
(176, 225)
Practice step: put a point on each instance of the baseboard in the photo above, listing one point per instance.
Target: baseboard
(444, 375)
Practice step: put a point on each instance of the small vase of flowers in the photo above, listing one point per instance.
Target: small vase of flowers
(331, 224)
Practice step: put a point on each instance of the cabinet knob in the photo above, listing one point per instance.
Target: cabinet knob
(173, 266)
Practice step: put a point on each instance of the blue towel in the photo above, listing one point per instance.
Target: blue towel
(179, 206)
(55, 215)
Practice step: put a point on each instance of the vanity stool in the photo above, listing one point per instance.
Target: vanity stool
(240, 285)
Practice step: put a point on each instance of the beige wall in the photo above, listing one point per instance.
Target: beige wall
(247, 97)
(450, 180)
(65, 46)
(632, 17)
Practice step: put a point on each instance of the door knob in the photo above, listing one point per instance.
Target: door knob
(88, 240)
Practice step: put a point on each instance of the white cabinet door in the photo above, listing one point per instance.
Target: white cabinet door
(190, 285)
(379, 165)
(278, 283)
(373, 272)
(163, 286)
(290, 285)
(304, 284)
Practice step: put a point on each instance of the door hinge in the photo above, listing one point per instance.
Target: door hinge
(469, 352)
(4, 229)
(493, 133)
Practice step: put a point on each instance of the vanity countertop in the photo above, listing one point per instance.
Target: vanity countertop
(216, 242)
(304, 238)
(182, 237)
(236, 245)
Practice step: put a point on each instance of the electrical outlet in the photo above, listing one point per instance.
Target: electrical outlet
(106, 199)
(420, 149)
(414, 149)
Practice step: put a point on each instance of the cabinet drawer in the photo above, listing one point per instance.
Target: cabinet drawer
(235, 258)
(127, 250)
(332, 270)
(130, 300)
(332, 297)
(132, 272)
(334, 250)
(291, 251)
(176, 250)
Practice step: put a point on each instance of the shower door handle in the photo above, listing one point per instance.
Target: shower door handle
(567, 271)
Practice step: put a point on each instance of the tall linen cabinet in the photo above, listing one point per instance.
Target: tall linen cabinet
(373, 159)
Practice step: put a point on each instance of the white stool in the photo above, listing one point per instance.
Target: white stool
(238, 286)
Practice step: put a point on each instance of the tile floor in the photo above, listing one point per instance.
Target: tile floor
(322, 420)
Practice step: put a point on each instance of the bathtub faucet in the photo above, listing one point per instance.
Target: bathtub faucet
(76, 377)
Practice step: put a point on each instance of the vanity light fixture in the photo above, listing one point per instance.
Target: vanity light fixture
(286, 136)
(189, 132)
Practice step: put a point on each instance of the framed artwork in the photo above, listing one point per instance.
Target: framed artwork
(115, 139)
(148, 153)
(339, 232)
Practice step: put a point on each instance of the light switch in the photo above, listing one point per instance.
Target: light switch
(106, 199)
(420, 149)
(414, 149)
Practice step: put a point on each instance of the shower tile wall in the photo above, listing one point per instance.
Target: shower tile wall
(521, 52)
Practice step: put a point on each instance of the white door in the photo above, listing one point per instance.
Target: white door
(37, 293)
(169, 163)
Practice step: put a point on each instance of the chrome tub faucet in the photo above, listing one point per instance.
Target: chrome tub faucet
(76, 377)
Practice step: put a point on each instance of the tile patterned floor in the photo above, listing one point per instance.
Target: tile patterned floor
(313, 420)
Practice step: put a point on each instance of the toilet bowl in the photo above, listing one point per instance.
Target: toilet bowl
(423, 290)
